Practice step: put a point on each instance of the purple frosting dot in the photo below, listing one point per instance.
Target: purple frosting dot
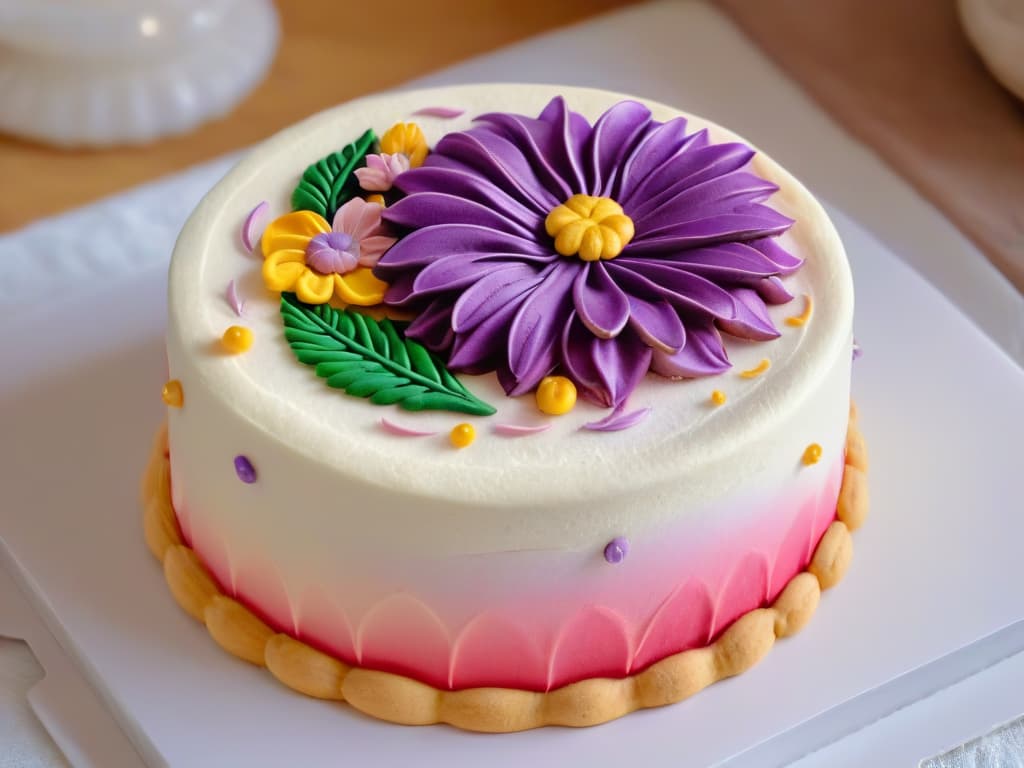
(245, 470)
(616, 550)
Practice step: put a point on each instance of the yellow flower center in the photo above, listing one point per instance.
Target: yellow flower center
(593, 227)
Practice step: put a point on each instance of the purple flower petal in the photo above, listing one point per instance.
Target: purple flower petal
(482, 348)
(701, 355)
(750, 320)
(573, 131)
(453, 273)
(681, 288)
(606, 370)
(464, 184)
(714, 197)
(657, 323)
(424, 208)
(600, 303)
(536, 140)
(724, 262)
(614, 137)
(743, 224)
(536, 329)
(787, 262)
(617, 421)
(771, 290)
(661, 144)
(496, 159)
(419, 248)
(433, 326)
(492, 292)
(681, 172)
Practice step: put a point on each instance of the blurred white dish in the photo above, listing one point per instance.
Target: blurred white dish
(105, 72)
(996, 30)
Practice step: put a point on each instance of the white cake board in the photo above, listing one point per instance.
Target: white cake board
(940, 405)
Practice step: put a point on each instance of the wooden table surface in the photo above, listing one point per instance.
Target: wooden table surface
(400, 40)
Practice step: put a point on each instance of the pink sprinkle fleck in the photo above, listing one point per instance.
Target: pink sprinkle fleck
(398, 429)
(520, 430)
(254, 225)
(236, 303)
(443, 112)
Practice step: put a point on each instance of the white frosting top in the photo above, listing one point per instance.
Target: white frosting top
(684, 439)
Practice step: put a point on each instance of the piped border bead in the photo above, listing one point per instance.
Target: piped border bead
(588, 702)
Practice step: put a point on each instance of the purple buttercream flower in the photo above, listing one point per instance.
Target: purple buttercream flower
(663, 243)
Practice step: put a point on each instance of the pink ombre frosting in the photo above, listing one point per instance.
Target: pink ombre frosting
(573, 617)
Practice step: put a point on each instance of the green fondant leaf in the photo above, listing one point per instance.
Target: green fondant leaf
(372, 359)
(329, 182)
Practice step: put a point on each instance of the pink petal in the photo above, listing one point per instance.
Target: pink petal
(373, 180)
(358, 218)
(372, 248)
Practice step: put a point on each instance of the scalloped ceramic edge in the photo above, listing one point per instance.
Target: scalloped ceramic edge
(74, 98)
(592, 701)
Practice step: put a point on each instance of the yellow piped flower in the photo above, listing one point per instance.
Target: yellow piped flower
(408, 139)
(286, 243)
(556, 395)
(593, 227)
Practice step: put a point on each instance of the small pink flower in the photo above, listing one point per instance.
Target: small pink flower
(361, 221)
(381, 170)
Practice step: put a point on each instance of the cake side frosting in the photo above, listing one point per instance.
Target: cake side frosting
(310, 508)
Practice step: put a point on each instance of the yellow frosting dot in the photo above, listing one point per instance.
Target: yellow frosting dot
(593, 227)
(172, 394)
(462, 435)
(812, 454)
(718, 397)
(237, 339)
(556, 395)
(375, 198)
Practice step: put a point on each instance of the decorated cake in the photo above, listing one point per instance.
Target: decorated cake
(506, 406)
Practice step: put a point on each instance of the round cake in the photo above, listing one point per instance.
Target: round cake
(506, 405)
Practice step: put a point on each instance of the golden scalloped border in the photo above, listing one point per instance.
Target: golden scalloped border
(497, 710)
